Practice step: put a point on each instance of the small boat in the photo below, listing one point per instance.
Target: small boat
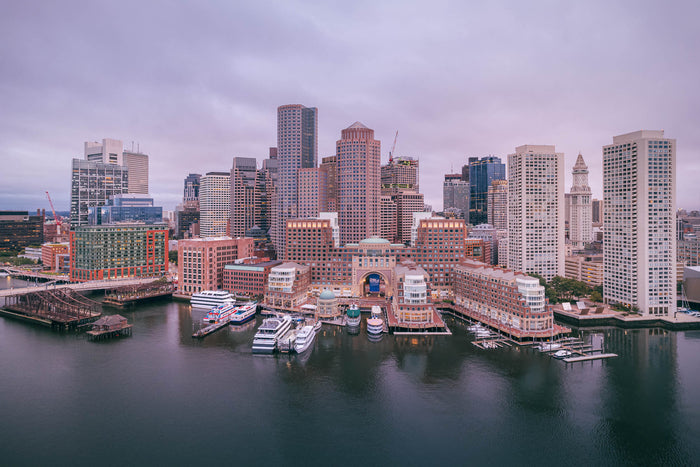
(265, 340)
(375, 324)
(561, 354)
(305, 338)
(548, 346)
(244, 313)
(210, 298)
(317, 326)
(221, 313)
(354, 318)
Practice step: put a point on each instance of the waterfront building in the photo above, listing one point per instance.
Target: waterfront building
(399, 175)
(287, 286)
(118, 250)
(639, 186)
(455, 195)
(309, 184)
(52, 254)
(19, 230)
(536, 211)
(688, 251)
(214, 204)
(482, 172)
(489, 236)
(580, 212)
(417, 218)
(327, 305)
(586, 268)
(191, 190)
(358, 159)
(509, 301)
(497, 202)
(201, 261)
(411, 304)
(126, 208)
(244, 196)
(297, 148)
(92, 184)
(247, 277)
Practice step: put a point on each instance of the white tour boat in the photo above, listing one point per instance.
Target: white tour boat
(304, 339)
(244, 313)
(221, 313)
(354, 317)
(210, 298)
(375, 324)
(270, 330)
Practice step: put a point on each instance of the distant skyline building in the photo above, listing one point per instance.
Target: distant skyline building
(597, 211)
(481, 173)
(455, 194)
(497, 200)
(92, 184)
(245, 199)
(297, 148)
(329, 179)
(309, 193)
(400, 175)
(111, 151)
(581, 217)
(536, 211)
(358, 158)
(214, 204)
(639, 254)
(191, 191)
(126, 208)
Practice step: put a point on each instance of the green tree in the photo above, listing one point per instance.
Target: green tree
(172, 256)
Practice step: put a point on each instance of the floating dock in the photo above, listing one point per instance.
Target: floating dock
(205, 331)
(586, 358)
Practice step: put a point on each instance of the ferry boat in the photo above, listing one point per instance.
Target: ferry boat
(304, 339)
(221, 313)
(209, 298)
(354, 318)
(317, 326)
(244, 313)
(375, 325)
(270, 330)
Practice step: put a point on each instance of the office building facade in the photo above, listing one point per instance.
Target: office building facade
(481, 173)
(214, 204)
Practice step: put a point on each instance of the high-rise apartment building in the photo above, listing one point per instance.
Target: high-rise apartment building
(297, 148)
(455, 195)
(358, 159)
(481, 173)
(387, 222)
(329, 179)
(309, 184)
(639, 254)
(581, 217)
(214, 204)
(536, 211)
(191, 191)
(497, 201)
(245, 196)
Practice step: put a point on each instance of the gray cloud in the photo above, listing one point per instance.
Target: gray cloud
(196, 84)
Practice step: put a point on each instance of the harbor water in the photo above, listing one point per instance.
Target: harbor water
(161, 397)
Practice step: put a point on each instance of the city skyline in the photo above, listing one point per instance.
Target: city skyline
(470, 82)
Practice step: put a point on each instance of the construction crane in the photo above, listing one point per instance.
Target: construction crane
(393, 146)
(58, 220)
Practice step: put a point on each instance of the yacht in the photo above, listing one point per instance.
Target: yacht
(304, 339)
(210, 298)
(221, 312)
(244, 313)
(270, 330)
(561, 354)
(375, 325)
(548, 346)
(354, 318)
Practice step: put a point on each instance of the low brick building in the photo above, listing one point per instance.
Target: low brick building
(247, 278)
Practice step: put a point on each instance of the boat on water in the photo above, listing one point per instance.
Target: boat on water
(210, 298)
(375, 324)
(265, 340)
(244, 313)
(475, 328)
(221, 313)
(561, 354)
(305, 338)
(354, 318)
(548, 346)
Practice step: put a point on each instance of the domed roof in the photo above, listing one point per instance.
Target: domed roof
(327, 295)
(374, 241)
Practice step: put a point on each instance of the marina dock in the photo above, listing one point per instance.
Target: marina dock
(205, 331)
(586, 358)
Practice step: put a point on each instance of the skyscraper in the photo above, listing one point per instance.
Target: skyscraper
(92, 184)
(297, 148)
(497, 200)
(400, 175)
(358, 159)
(455, 194)
(111, 151)
(267, 185)
(536, 211)
(329, 178)
(191, 191)
(138, 171)
(580, 220)
(214, 204)
(245, 197)
(309, 193)
(481, 174)
(639, 254)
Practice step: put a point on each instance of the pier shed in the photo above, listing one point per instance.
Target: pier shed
(109, 326)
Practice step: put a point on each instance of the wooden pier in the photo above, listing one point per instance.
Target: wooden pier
(60, 309)
(205, 331)
(129, 295)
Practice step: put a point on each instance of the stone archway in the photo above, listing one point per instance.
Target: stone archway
(374, 284)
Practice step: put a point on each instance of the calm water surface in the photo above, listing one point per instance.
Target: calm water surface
(161, 397)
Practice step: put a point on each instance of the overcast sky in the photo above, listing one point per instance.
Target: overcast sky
(196, 84)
